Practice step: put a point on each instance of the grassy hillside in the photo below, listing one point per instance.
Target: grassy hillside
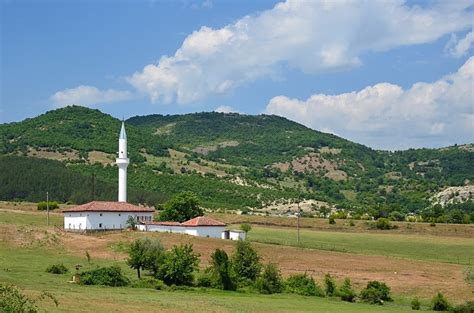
(236, 161)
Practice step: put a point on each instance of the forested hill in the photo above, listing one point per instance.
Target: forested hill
(231, 161)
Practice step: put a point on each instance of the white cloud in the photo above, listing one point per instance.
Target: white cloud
(311, 36)
(387, 116)
(458, 48)
(89, 96)
(226, 109)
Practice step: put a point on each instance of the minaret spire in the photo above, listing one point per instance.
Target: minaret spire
(122, 162)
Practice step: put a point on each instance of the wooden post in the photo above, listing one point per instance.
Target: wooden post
(298, 222)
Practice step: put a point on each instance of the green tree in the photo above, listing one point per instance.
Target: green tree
(329, 285)
(137, 254)
(346, 292)
(179, 265)
(182, 207)
(13, 301)
(246, 262)
(131, 222)
(221, 271)
(440, 303)
(270, 281)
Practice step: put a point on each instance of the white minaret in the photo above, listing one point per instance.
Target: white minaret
(122, 163)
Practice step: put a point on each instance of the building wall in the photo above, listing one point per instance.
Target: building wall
(237, 235)
(206, 231)
(201, 231)
(77, 221)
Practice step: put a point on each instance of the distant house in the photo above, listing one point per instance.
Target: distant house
(202, 226)
(104, 215)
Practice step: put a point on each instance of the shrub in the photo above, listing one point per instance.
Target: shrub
(220, 271)
(204, 280)
(375, 293)
(246, 227)
(332, 220)
(179, 265)
(351, 223)
(384, 224)
(270, 281)
(148, 283)
(246, 262)
(467, 307)
(107, 276)
(346, 292)
(303, 284)
(415, 304)
(12, 300)
(43, 205)
(131, 223)
(329, 285)
(439, 303)
(57, 269)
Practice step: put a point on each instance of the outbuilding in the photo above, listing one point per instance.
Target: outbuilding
(202, 226)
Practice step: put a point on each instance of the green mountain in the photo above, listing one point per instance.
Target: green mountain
(231, 161)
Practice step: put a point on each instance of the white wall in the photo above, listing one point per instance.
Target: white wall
(201, 231)
(76, 221)
(206, 231)
(236, 235)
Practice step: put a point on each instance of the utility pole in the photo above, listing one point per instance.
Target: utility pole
(47, 207)
(298, 221)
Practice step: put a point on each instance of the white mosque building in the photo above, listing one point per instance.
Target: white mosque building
(110, 215)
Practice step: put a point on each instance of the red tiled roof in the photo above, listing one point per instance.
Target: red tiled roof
(108, 206)
(160, 223)
(203, 221)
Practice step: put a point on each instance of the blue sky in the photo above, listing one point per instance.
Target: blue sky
(390, 75)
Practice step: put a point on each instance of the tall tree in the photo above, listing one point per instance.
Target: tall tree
(182, 207)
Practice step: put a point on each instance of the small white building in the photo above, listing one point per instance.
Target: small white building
(104, 215)
(234, 235)
(201, 226)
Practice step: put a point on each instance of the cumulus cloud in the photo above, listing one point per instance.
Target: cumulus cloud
(89, 96)
(225, 109)
(311, 36)
(458, 48)
(388, 117)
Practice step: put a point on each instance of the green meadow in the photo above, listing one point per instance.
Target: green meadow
(26, 269)
(418, 247)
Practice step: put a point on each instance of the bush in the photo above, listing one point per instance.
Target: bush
(204, 280)
(384, 224)
(246, 262)
(12, 300)
(332, 220)
(43, 205)
(415, 304)
(375, 293)
(107, 276)
(346, 292)
(439, 303)
(148, 283)
(57, 269)
(246, 227)
(179, 265)
(329, 285)
(467, 307)
(304, 285)
(270, 281)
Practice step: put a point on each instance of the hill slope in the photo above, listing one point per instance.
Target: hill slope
(238, 161)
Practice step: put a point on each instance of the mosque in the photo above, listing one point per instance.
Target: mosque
(111, 215)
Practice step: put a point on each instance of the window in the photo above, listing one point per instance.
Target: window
(100, 224)
(100, 214)
(120, 214)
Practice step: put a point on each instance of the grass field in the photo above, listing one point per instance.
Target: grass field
(26, 269)
(404, 261)
(418, 247)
